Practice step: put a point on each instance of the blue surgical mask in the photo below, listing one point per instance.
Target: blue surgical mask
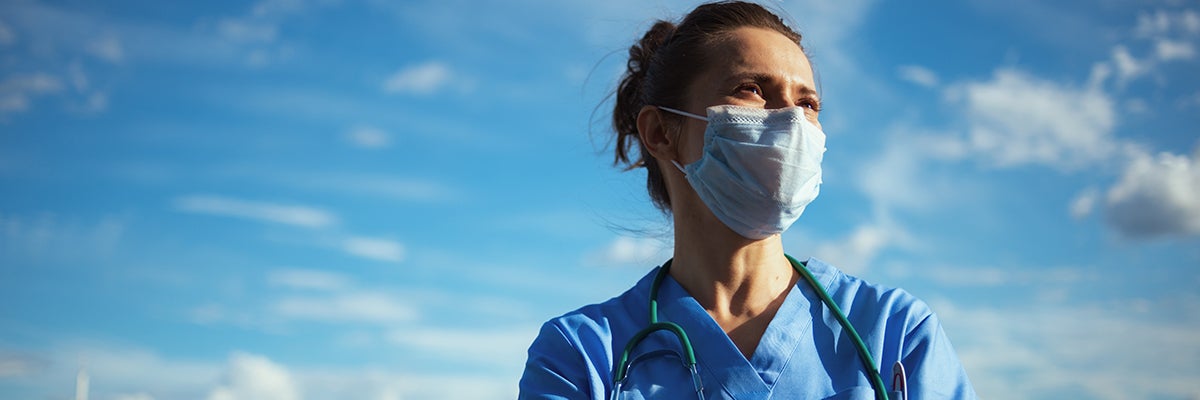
(760, 168)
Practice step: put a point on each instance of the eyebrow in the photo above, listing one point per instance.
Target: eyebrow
(806, 89)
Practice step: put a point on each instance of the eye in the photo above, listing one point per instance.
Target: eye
(811, 103)
(749, 88)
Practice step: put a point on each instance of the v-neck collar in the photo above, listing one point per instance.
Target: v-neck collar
(721, 363)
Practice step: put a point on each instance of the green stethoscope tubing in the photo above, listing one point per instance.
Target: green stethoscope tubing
(864, 355)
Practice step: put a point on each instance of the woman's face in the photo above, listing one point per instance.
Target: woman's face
(751, 67)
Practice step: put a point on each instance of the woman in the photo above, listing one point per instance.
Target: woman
(724, 113)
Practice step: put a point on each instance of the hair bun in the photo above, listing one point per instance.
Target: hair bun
(630, 91)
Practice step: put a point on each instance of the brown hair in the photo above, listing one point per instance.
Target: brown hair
(664, 63)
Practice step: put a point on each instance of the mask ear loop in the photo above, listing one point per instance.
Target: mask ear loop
(686, 114)
(683, 113)
(679, 167)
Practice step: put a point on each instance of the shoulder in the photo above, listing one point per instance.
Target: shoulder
(598, 322)
(573, 352)
(901, 328)
(852, 292)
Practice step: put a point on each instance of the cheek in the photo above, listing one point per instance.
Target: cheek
(691, 143)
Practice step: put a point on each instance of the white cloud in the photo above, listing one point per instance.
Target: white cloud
(490, 346)
(254, 377)
(51, 235)
(133, 396)
(418, 79)
(1083, 204)
(107, 48)
(1155, 24)
(126, 370)
(1018, 119)
(856, 252)
(359, 306)
(918, 75)
(269, 212)
(7, 37)
(380, 249)
(16, 366)
(308, 279)
(16, 91)
(1188, 101)
(899, 178)
(1169, 50)
(399, 188)
(374, 384)
(1161, 23)
(1045, 351)
(626, 250)
(246, 31)
(1001, 276)
(1127, 66)
(1157, 195)
(123, 373)
(78, 77)
(91, 103)
(270, 8)
(1190, 21)
(404, 188)
(369, 137)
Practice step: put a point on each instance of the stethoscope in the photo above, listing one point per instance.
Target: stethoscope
(621, 372)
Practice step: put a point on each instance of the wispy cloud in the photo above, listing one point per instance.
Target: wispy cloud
(1170, 50)
(368, 137)
(1127, 66)
(1172, 36)
(107, 47)
(631, 251)
(373, 248)
(13, 365)
(900, 177)
(918, 75)
(1083, 204)
(1162, 22)
(395, 187)
(419, 79)
(363, 307)
(308, 279)
(289, 214)
(244, 31)
(856, 252)
(134, 396)
(53, 235)
(7, 37)
(132, 373)
(492, 346)
(971, 276)
(17, 91)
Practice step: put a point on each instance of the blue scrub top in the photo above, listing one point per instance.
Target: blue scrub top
(804, 353)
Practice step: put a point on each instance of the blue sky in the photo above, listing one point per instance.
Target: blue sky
(298, 199)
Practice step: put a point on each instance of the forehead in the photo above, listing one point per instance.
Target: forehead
(759, 51)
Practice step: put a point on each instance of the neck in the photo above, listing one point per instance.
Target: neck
(729, 275)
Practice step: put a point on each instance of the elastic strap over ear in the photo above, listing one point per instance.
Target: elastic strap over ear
(683, 113)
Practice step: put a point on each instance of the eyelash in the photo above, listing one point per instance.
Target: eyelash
(812, 103)
(749, 86)
(809, 102)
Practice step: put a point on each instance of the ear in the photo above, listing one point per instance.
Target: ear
(657, 135)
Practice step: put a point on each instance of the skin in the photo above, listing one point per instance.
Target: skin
(741, 282)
